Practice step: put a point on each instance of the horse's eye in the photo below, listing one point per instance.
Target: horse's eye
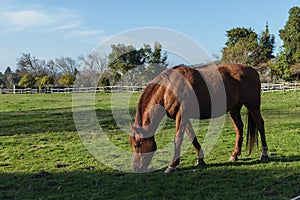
(138, 144)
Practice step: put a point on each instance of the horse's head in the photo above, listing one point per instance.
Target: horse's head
(143, 148)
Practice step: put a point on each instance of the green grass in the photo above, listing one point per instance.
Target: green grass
(42, 156)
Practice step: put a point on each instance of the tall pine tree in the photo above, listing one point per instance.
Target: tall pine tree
(266, 46)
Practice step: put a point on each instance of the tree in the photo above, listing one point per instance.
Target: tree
(7, 71)
(135, 76)
(290, 35)
(45, 81)
(240, 33)
(67, 79)
(142, 64)
(38, 82)
(19, 74)
(241, 46)
(9, 78)
(31, 64)
(275, 72)
(9, 81)
(2, 80)
(283, 66)
(155, 60)
(104, 81)
(28, 80)
(66, 65)
(51, 68)
(95, 66)
(264, 54)
(124, 58)
(238, 53)
(266, 44)
(95, 62)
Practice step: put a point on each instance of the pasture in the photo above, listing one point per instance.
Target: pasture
(42, 156)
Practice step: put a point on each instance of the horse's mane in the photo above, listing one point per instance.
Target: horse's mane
(144, 101)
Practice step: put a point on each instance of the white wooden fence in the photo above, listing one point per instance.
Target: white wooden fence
(265, 87)
(280, 87)
(72, 90)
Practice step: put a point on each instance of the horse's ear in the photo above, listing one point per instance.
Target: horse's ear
(133, 127)
(131, 140)
(132, 135)
(138, 129)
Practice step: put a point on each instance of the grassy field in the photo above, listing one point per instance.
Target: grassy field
(42, 156)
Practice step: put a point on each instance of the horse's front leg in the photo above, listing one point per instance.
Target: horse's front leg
(192, 136)
(180, 127)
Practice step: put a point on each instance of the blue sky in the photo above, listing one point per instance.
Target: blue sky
(54, 28)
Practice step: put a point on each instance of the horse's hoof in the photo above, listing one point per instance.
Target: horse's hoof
(264, 158)
(233, 159)
(201, 164)
(170, 170)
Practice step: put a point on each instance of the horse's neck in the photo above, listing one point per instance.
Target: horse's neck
(150, 117)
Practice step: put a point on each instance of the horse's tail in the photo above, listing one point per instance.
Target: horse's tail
(252, 133)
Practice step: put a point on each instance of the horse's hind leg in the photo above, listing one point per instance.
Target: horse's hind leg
(261, 128)
(236, 119)
(191, 134)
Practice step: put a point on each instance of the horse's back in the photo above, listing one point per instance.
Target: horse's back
(241, 83)
(247, 80)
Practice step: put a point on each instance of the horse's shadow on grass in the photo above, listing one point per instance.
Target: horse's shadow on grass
(36, 121)
(49, 120)
(244, 162)
(186, 183)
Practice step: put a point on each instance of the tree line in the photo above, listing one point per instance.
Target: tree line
(129, 65)
(32, 71)
(245, 46)
(125, 65)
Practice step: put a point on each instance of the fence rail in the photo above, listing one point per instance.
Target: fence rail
(280, 87)
(265, 87)
(71, 90)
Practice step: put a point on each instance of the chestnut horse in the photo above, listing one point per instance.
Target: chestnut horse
(202, 92)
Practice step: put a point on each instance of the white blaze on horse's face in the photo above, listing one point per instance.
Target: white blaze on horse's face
(143, 149)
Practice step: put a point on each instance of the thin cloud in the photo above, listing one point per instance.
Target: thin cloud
(42, 19)
(84, 33)
(26, 18)
(68, 26)
(38, 18)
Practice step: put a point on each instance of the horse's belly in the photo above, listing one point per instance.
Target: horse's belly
(208, 112)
